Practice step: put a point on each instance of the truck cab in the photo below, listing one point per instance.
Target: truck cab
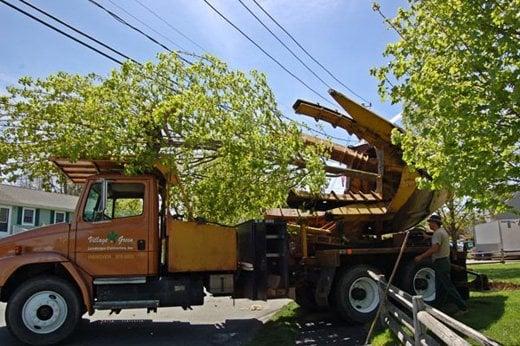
(124, 250)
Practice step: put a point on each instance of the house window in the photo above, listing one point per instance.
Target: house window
(59, 217)
(28, 216)
(4, 219)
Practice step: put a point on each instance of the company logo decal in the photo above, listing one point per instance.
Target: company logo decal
(112, 241)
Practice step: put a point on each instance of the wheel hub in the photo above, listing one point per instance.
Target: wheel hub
(421, 284)
(363, 295)
(44, 312)
(424, 283)
(359, 293)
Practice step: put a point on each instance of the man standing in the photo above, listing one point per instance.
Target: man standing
(440, 254)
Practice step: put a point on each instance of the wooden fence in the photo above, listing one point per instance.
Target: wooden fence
(423, 324)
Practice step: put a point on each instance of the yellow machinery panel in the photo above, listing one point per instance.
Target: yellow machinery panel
(194, 247)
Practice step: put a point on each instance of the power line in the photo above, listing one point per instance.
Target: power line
(79, 31)
(124, 22)
(309, 54)
(62, 32)
(108, 47)
(146, 25)
(169, 25)
(78, 40)
(265, 52)
(283, 44)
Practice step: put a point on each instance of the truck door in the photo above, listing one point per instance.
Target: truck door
(114, 241)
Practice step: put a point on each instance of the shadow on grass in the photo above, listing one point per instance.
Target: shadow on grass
(485, 310)
(295, 326)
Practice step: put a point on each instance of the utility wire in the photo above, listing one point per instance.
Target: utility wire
(146, 25)
(78, 40)
(309, 54)
(264, 51)
(79, 31)
(108, 47)
(283, 44)
(169, 25)
(62, 32)
(124, 22)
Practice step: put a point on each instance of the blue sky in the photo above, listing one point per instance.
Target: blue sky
(345, 35)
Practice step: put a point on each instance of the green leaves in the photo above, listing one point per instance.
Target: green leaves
(219, 128)
(456, 71)
(112, 236)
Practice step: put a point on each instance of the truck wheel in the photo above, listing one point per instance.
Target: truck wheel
(44, 310)
(419, 279)
(357, 294)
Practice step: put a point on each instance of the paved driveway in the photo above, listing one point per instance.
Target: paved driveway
(219, 321)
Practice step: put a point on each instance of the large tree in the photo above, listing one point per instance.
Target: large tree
(456, 71)
(218, 128)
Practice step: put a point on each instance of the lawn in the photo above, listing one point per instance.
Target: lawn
(495, 313)
(280, 330)
(508, 272)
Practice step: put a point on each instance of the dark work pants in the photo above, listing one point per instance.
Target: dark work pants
(443, 284)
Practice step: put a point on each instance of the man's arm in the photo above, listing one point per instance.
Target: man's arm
(432, 250)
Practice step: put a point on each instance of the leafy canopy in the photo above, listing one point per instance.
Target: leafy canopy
(456, 71)
(218, 128)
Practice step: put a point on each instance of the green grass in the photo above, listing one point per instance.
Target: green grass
(280, 330)
(495, 314)
(508, 272)
(384, 338)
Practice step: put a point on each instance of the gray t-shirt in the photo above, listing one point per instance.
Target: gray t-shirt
(441, 237)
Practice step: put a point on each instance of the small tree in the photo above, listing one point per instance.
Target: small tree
(219, 129)
(459, 216)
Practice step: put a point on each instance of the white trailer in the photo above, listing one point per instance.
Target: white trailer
(500, 238)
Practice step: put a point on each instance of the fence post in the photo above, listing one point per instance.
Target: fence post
(420, 331)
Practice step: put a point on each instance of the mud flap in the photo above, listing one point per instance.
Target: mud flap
(324, 286)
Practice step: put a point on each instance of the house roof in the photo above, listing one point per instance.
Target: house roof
(514, 203)
(25, 197)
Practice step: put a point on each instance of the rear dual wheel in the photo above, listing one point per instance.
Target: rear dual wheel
(357, 294)
(419, 279)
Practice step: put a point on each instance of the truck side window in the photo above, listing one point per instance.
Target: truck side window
(125, 200)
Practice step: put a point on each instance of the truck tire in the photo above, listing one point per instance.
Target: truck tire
(356, 294)
(419, 279)
(43, 311)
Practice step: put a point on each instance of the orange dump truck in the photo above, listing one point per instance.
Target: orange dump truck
(123, 249)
